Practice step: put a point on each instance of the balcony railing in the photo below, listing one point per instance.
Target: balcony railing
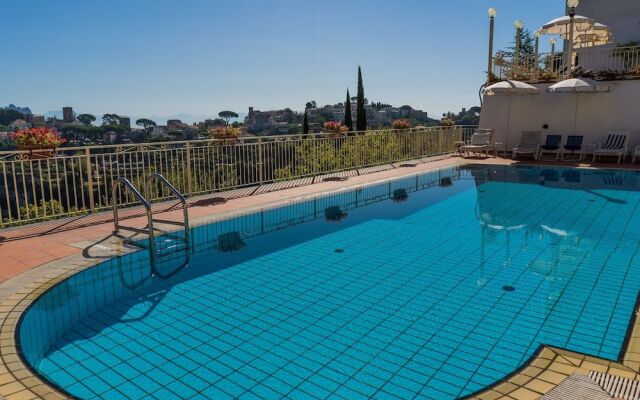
(78, 180)
(595, 62)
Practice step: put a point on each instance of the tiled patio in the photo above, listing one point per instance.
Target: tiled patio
(34, 264)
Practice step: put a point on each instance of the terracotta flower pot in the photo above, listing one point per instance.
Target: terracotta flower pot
(38, 152)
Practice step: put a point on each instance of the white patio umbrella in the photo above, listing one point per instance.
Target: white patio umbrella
(510, 88)
(577, 85)
(562, 25)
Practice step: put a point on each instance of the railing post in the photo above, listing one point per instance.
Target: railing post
(87, 159)
(260, 162)
(187, 149)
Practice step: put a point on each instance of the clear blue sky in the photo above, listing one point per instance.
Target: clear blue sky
(162, 57)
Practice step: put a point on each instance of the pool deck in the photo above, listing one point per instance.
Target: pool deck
(34, 264)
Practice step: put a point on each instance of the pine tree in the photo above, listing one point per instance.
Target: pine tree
(305, 123)
(361, 116)
(348, 119)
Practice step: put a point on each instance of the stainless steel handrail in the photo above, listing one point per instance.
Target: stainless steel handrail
(116, 222)
(178, 195)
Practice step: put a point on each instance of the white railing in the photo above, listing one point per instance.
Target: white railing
(78, 180)
(595, 62)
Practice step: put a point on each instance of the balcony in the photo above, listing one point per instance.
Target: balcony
(597, 63)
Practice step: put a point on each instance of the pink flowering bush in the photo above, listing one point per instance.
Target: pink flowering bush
(400, 124)
(335, 127)
(38, 137)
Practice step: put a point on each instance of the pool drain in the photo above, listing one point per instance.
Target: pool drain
(508, 288)
(339, 250)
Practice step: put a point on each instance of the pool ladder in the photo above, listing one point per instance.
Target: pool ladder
(150, 230)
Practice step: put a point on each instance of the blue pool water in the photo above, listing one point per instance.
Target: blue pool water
(429, 287)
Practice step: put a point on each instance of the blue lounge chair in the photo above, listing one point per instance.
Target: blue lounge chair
(573, 144)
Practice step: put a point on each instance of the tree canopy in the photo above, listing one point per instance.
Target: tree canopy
(110, 119)
(86, 119)
(311, 104)
(361, 115)
(146, 124)
(227, 115)
(348, 119)
(8, 116)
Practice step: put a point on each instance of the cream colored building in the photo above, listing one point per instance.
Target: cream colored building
(591, 115)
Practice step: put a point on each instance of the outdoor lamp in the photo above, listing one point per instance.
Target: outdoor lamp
(572, 13)
(492, 14)
(553, 41)
(518, 24)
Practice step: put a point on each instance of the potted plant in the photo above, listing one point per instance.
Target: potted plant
(335, 128)
(446, 121)
(225, 133)
(401, 125)
(44, 141)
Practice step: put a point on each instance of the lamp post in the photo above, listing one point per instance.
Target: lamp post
(572, 4)
(518, 24)
(492, 15)
(537, 50)
(553, 42)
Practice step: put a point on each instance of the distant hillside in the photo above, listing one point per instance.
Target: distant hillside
(23, 110)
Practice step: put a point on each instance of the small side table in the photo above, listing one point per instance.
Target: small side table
(459, 144)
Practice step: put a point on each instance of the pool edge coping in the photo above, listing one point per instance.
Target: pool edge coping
(534, 378)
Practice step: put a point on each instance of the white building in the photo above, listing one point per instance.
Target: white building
(591, 115)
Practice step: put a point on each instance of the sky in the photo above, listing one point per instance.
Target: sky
(165, 57)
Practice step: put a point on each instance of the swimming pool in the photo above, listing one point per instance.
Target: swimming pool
(434, 286)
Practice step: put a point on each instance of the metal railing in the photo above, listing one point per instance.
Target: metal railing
(602, 62)
(78, 180)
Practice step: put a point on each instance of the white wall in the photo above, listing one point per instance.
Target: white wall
(589, 114)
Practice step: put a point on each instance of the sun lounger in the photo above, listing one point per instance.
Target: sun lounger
(553, 145)
(480, 143)
(615, 145)
(529, 144)
(573, 144)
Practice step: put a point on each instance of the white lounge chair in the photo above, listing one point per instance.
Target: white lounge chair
(615, 145)
(529, 144)
(480, 143)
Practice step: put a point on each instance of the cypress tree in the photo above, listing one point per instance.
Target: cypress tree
(348, 119)
(361, 115)
(305, 123)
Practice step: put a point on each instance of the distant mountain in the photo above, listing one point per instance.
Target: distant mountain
(24, 110)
